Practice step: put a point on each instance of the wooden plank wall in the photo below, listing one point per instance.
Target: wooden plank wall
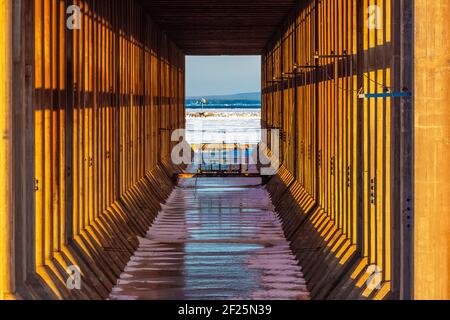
(6, 209)
(342, 152)
(105, 99)
(432, 150)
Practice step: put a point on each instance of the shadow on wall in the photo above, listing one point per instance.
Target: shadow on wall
(102, 250)
(333, 268)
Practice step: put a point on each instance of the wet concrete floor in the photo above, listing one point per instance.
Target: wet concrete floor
(215, 238)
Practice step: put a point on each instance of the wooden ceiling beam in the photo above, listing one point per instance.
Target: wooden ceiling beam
(219, 27)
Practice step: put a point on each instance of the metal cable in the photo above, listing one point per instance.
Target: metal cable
(339, 87)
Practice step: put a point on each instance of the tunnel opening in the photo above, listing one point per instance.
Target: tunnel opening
(217, 236)
(94, 94)
(223, 113)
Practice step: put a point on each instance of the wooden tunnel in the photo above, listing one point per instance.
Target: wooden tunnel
(358, 89)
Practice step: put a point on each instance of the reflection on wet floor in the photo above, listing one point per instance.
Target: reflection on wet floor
(215, 238)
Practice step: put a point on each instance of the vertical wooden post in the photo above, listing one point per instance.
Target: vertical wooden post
(431, 276)
(407, 153)
(23, 137)
(6, 204)
(70, 160)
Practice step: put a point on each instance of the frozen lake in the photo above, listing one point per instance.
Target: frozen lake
(224, 126)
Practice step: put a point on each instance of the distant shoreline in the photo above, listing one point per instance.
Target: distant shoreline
(239, 101)
(247, 96)
(224, 112)
(223, 107)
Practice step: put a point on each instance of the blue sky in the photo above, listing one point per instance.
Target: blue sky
(221, 75)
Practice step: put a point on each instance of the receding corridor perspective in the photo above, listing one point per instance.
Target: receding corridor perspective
(93, 205)
(217, 238)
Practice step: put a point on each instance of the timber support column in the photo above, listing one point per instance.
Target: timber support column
(6, 207)
(432, 150)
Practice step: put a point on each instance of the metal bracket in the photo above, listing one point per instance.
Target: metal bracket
(332, 56)
(349, 177)
(373, 196)
(275, 81)
(332, 166)
(306, 67)
(319, 158)
(385, 95)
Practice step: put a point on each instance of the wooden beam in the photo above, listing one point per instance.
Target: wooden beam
(432, 151)
(7, 270)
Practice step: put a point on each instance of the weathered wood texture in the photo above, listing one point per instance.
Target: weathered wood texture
(432, 150)
(85, 119)
(102, 131)
(343, 154)
(219, 27)
(6, 208)
(93, 143)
